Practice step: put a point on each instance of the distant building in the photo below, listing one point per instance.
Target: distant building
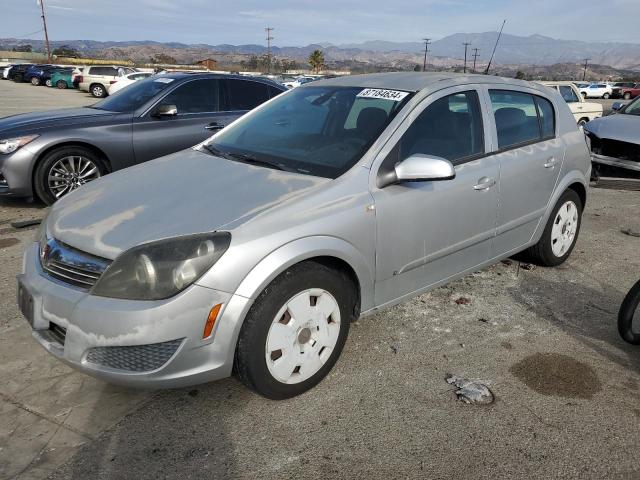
(208, 63)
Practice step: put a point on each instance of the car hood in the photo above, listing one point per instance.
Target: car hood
(37, 120)
(619, 126)
(183, 193)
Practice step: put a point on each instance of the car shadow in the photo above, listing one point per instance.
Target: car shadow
(587, 314)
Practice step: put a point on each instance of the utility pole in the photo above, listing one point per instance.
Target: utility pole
(466, 44)
(584, 72)
(427, 41)
(486, 72)
(46, 35)
(269, 38)
(475, 56)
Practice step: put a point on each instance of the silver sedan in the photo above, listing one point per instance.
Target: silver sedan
(252, 252)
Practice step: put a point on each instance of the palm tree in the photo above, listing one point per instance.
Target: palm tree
(316, 60)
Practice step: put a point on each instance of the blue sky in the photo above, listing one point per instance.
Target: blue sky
(300, 22)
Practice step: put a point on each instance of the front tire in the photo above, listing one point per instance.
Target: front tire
(295, 330)
(582, 122)
(627, 313)
(48, 82)
(627, 96)
(560, 233)
(35, 81)
(98, 90)
(606, 96)
(64, 170)
(61, 84)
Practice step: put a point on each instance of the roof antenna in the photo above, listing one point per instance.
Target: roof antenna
(486, 72)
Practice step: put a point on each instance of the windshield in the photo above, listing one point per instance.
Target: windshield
(632, 108)
(321, 131)
(134, 96)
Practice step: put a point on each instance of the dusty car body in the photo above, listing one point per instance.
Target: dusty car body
(332, 200)
(615, 139)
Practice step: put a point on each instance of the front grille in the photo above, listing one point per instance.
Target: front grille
(135, 358)
(71, 266)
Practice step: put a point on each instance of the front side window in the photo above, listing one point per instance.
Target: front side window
(516, 117)
(134, 96)
(568, 94)
(196, 96)
(450, 128)
(321, 131)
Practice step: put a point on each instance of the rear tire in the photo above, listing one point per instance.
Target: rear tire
(35, 81)
(627, 96)
(61, 84)
(87, 165)
(582, 122)
(48, 82)
(584, 94)
(627, 312)
(98, 90)
(288, 342)
(606, 96)
(561, 232)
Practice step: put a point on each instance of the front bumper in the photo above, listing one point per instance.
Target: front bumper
(15, 169)
(96, 322)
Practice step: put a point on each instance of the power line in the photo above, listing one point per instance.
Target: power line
(475, 56)
(46, 35)
(584, 72)
(269, 38)
(466, 44)
(427, 41)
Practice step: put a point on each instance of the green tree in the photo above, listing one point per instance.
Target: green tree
(163, 58)
(23, 48)
(417, 68)
(66, 51)
(316, 60)
(520, 75)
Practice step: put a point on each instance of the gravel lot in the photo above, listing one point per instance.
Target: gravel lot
(567, 388)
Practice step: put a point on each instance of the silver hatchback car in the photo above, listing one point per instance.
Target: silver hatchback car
(252, 252)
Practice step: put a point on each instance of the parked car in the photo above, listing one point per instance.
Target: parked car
(298, 81)
(48, 154)
(582, 111)
(616, 88)
(126, 80)
(96, 79)
(615, 141)
(254, 251)
(581, 84)
(76, 76)
(42, 75)
(17, 72)
(596, 90)
(630, 92)
(62, 78)
(5, 72)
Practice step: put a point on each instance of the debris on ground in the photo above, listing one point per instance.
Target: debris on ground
(470, 391)
(483, 320)
(506, 262)
(527, 266)
(26, 223)
(630, 232)
(463, 301)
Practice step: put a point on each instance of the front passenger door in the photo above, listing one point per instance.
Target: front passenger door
(198, 117)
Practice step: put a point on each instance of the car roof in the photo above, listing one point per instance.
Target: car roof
(417, 81)
(183, 75)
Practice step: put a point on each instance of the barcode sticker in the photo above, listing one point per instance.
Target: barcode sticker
(395, 95)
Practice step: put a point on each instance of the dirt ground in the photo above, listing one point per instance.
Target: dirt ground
(567, 388)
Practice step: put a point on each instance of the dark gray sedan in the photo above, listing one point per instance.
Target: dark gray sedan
(49, 154)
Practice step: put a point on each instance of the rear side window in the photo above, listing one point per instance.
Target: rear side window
(273, 91)
(196, 96)
(244, 94)
(521, 117)
(108, 71)
(451, 128)
(568, 94)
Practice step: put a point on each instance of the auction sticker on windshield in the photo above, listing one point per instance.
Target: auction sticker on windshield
(395, 95)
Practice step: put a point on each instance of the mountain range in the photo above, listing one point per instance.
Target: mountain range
(535, 50)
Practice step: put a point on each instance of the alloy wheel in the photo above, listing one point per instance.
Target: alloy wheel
(302, 336)
(69, 173)
(565, 225)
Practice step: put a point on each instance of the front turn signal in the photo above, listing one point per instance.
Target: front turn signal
(211, 320)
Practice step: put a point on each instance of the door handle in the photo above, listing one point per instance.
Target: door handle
(214, 126)
(484, 183)
(550, 163)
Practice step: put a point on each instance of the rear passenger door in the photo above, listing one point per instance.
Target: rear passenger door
(198, 117)
(530, 155)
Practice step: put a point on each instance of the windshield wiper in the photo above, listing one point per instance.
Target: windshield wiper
(217, 152)
(243, 157)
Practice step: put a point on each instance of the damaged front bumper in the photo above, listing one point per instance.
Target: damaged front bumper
(616, 162)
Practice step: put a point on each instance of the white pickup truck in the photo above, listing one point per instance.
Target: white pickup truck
(582, 111)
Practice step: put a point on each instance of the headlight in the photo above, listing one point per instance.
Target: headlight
(10, 145)
(159, 270)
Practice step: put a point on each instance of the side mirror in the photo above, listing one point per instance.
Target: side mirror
(421, 168)
(617, 106)
(165, 110)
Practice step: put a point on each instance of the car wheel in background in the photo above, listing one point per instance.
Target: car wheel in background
(295, 330)
(48, 82)
(98, 90)
(61, 84)
(627, 96)
(35, 81)
(606, 96)
(584, 94)
(560, 233)
(65, 169)
(582, 122)
(630, 310)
